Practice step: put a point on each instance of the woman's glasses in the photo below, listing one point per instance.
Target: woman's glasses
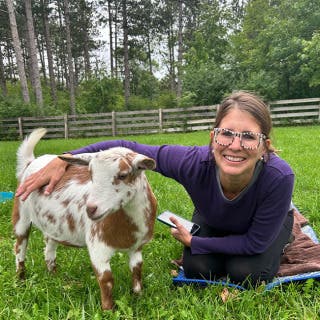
(248, 140)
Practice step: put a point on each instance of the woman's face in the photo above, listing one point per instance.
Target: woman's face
(235, 161)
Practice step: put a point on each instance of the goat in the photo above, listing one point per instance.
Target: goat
(103, 202)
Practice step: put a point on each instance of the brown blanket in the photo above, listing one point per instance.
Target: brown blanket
(302, 255)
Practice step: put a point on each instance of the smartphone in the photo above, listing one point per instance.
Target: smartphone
(189, 225)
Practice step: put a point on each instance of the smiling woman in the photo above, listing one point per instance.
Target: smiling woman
(241, 192)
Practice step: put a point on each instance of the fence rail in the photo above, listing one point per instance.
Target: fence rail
(283, 112)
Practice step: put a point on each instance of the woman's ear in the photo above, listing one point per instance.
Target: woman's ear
(211, 135)
(267, 144)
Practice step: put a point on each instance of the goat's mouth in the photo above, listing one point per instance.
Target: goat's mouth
(98, 217)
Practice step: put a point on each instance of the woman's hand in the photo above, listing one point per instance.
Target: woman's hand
(181, 233)
(49, 175)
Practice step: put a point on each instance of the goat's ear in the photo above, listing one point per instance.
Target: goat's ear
(145, 163)
(82, 160)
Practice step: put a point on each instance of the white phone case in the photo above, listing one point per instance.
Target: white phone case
(189, 225)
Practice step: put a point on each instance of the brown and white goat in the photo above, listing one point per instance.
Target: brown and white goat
(108, 208)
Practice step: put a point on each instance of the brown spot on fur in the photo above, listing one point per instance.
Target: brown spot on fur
(66, 202)
(15, 216)
(51, 218)
(150, 212)
(80, 173)
(71, 222)
(116, 230)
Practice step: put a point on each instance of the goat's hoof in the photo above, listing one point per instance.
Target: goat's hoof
(108, 306)
(51, 266)
(21, 274)
(137, 288)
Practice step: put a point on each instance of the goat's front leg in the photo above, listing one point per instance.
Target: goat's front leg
(100, 258)
(135, 264)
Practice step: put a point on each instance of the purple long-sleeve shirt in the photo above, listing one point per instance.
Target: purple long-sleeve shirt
(252, 220)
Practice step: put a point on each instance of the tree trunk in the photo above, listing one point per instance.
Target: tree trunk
(116, 32)
(47, 36)
(110, 38)
(149, 54)
(33, 55)
(18, 51)
(180, 51)
(171, 60)
(2, 76)
(69, 53)
(125, 54)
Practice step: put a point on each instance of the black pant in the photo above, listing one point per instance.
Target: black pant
(248, 270)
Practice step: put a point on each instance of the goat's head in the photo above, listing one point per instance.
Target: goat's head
(116, 176)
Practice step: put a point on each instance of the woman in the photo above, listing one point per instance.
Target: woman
(240, 189)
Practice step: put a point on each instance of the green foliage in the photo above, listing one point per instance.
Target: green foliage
(98, 95)
(144, 84)
(311, 58)
(12, 107)
(166, 99)
(207, 82)
(271, 45)
(139, 103)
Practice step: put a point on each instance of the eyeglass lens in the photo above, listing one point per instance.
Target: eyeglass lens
(248, 140)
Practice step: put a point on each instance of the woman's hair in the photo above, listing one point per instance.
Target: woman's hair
(251, 103)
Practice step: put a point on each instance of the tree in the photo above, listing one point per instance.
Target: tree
(180, 49)
(18, 51)
(69, 55)
(206, 74)
(269, 48)
(310, 68)
(33, 55)
(3, 84)
(48, 42)
(125, 53)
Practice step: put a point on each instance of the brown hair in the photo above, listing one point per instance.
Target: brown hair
(251, 103)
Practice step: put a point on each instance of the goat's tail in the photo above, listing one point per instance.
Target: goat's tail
(25, 152)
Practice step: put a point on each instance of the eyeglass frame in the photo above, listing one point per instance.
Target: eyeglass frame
(239, 134)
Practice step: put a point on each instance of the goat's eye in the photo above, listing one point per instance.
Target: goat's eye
(122, 176)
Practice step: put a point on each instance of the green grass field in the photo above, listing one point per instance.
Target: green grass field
(73, 293)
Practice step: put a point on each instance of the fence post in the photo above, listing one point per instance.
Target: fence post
(114, 124)
(66, 129)
(20, 128)
(160, 120)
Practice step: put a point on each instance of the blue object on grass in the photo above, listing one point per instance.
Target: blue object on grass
(308, 230)
(6, 195)
(181, 280)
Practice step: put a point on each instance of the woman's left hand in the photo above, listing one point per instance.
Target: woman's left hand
(181, 233)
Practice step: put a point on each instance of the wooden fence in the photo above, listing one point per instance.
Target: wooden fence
(284, 112)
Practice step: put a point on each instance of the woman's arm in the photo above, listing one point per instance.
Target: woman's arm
(49, 175)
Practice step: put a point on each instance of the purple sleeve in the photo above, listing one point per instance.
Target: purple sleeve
(171, 160)
(265, 227)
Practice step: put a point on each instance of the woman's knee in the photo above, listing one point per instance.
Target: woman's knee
(249, 274)
(203, 266)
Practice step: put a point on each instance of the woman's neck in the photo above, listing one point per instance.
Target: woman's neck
(233, 185)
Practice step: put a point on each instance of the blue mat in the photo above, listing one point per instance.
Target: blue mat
(4, 196)
(181, 278)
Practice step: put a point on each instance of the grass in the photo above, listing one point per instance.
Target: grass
(73, 293)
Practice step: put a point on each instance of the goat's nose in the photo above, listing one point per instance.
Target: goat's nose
(91, 209)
